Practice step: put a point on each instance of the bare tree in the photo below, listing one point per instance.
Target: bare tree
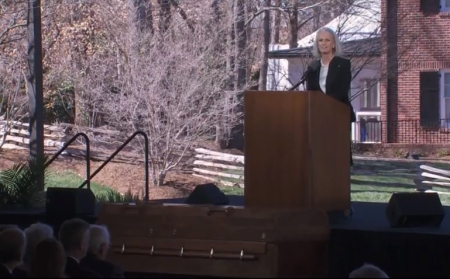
(171, 87)
(265, 47)
(276, 24)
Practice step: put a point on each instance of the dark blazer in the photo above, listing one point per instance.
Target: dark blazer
(104, 268)
(338, 82)
(76, 270)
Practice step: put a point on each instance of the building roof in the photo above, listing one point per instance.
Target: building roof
(358, 29)
(365, 47)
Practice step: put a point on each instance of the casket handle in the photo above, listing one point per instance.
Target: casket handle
(227, 211)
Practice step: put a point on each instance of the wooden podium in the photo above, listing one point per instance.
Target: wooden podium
(297, 150)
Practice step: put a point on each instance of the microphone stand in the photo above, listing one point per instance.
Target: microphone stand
(302, 81)
(298, 84)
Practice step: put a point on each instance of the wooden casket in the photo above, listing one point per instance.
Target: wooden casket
(220, 241)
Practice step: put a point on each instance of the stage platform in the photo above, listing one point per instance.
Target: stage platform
(366, 237)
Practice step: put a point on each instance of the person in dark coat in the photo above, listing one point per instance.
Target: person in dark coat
(95, 260)
(74, 236)
(12, 251)
(330, 73)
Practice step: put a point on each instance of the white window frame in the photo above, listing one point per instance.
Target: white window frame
(444, 8)
(364, 95)
(356, 133)
(441, 95)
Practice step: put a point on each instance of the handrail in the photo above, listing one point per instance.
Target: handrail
(88, 156)
(120, 149)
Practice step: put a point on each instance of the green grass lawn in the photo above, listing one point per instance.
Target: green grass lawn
(371, 181)
(375, 181)
(71, 180)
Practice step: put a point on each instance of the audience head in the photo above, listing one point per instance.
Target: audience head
(7, 226)
(368, 271)
(49, 260)
(99, 241)
(35, 234)
(12, 247)
(74, 236)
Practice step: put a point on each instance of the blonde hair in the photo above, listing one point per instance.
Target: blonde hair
(337, 43)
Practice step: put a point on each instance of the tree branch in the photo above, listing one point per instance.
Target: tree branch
(182, 14)
(274, 8)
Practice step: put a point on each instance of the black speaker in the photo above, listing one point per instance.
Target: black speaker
(69, 202)
(207, 194)
(415, 209)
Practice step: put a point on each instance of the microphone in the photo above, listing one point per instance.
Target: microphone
(311, 68)
(302, 80)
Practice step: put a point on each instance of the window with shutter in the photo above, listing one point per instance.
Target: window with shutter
(430, 99)
(445, 5)
(370, 99)
(445, 98)
(430, 6)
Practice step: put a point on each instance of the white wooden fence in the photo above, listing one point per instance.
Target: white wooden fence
(433, 177)
(223, 168)
(14, 135)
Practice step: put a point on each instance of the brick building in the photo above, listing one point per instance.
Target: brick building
(415, 92)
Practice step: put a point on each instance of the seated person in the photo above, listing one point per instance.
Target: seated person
(74, 236)
(99, 243)
(48, 261)
(12, 251)
(34, 235)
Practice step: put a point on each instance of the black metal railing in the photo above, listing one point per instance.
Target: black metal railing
(88, 156)
(411, 131)
(146, 198)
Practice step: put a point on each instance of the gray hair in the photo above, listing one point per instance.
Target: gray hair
(34, 235)
(99, 235)
(72, 232)
(338, 46)
(368, 271)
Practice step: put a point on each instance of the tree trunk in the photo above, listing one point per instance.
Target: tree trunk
(265, 49)
(144, 15)
(248, 14)
(221, 132)
(35, 89)
(240, 71)
(241, 38)
(165, 16)
(276, 24)
(293, 25)
(230, 47)
(161, 178)
(317, 13)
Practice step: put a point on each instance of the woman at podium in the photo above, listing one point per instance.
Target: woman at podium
(330, 73)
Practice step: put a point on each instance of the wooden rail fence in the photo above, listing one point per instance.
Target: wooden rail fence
(223, 168)
(433, 177)
(14, 135)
